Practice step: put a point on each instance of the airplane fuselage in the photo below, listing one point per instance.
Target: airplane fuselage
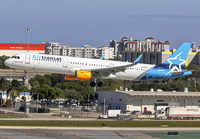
(68, 65)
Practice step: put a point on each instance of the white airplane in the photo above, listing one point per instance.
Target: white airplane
(91, 69)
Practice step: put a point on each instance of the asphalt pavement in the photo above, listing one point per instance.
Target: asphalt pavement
(8, 132)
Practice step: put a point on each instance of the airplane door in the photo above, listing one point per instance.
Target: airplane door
(111, 65)
(27, 58)
(65, 62)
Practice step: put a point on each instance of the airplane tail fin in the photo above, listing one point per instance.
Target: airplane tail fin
(178, 58)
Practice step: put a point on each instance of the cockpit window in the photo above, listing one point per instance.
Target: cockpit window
(16, 57)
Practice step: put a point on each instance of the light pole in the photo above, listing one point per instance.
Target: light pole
(88, 105)
(28, 29)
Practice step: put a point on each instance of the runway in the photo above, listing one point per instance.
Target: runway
(95, 133)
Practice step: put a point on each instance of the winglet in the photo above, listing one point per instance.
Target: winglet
(138, 59)
(102, 57)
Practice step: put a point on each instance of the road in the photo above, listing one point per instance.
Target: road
(50, 117)
(18, 74)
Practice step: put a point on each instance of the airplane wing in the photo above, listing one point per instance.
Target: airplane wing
(112, 70)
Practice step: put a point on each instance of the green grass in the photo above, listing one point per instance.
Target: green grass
(100, 123)
(5, 115)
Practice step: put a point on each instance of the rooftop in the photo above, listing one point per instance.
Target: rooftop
(157, 93)
(150, 38)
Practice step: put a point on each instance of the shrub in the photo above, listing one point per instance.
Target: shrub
(8, 103)
(22, 108)
(41, 110)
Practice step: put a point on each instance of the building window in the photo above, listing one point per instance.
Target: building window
(120, 99)
(160, 100)
(117, 107)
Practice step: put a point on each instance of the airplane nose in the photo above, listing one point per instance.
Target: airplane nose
(7, 62)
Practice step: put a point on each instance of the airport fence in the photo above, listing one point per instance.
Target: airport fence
(21, 109)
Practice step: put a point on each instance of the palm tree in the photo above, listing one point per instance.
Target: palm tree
(14, 89)
(12, 92)
(3, 84)
(24, 89)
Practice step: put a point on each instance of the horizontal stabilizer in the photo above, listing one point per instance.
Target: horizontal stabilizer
(179, 72)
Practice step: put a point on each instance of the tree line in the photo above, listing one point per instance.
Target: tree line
(2, 59)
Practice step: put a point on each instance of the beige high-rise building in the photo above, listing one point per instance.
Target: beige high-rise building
(85, 52)
(149, 44)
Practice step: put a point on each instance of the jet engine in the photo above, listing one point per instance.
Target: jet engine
(79, 75)
(69, 77)
(83, 75)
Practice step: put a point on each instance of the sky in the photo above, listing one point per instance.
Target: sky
(96, 22)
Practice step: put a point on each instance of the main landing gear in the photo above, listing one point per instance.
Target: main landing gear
(100, 84)
(93, 84)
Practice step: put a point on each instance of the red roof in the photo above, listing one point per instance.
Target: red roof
(20, 46)
(124, 38)
(150, 38)
(167, 42)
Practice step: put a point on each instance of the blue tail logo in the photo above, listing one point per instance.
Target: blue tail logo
(176, 61)
(172, 67)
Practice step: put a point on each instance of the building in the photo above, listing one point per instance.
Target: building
(146, 100)
(153, 52)
(194, 47)
(130, 45)
(9, 49)
(27, 95)
(159, 57)
(4, 97)
(108, 52)
(84, 52)
(126, 50)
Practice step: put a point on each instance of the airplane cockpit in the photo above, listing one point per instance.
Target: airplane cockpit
(15, 57)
